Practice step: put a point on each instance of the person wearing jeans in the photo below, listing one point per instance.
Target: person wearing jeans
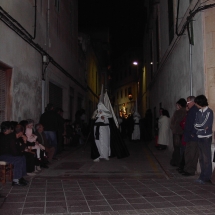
(203, 125)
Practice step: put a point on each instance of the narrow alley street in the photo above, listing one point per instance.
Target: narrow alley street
(143, 183)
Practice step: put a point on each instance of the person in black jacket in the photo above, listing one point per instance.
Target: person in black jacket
(49, 119)
(191, 153)
(203, 125)
(12, 152)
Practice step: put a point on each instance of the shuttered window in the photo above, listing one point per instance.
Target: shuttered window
(55, 95)
(2, 95)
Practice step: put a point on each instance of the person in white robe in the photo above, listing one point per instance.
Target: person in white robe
(136, 132)
(102, 132)
(164, 132)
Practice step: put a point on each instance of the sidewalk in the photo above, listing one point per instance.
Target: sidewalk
(144, 183)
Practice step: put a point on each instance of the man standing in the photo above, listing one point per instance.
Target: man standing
(49, 119)
(203, 125)
(191, 154)
(177, 131)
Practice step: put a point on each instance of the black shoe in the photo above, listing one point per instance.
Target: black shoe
(188, 174)
(181, 171)
(44, 166)
(23, 180)
(54, 158)
(19, 183)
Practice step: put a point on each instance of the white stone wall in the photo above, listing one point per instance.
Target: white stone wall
(61, 43)
(172, 79)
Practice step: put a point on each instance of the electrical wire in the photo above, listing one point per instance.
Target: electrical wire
(190, 17)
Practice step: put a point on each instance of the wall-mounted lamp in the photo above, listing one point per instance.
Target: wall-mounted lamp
(45, 63)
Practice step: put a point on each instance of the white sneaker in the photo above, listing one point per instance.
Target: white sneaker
(31, 174)
(96, 160)
(38, 168)
(107, 159)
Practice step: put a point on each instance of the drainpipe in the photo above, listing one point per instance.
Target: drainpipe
(191, 70)
(47, 26)
(44, 67)
(43, 95)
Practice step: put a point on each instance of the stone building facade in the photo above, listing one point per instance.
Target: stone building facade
(178, 62)
(39, 58)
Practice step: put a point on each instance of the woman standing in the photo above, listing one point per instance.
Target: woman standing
(164, 132)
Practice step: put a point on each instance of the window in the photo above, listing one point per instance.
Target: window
(171, 20)
(57, 5)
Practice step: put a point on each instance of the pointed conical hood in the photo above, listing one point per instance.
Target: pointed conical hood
(109, 107)
(101, 97)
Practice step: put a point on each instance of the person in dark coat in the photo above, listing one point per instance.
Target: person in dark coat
(191, 153)
(177, 131)
(11, 151)
(49, 119)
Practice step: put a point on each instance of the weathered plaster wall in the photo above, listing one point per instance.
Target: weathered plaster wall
(209, 54)
(26, 74)
(173, 79)
(26, 62)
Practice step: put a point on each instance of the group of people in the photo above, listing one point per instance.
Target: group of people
(190, 128)
(26, 148)
(30, 147)
(135, 127)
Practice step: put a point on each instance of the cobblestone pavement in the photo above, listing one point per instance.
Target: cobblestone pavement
(143, 183)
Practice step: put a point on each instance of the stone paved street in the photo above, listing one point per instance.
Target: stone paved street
(143, 183)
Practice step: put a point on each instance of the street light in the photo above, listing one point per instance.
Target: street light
(135, 63)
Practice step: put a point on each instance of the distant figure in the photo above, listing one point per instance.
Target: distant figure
(136, 131)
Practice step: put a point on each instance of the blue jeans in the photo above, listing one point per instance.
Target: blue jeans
(19, 165)
(204, 145)
(52, 139)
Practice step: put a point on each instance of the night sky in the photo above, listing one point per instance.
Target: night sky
(125, 19)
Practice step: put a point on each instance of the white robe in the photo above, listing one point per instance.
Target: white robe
(103, 144)
(164, 132)
(136, 132)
